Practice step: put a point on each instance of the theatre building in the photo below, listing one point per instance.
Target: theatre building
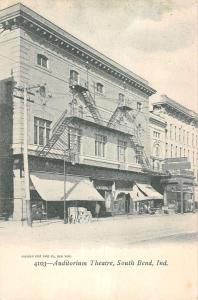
(87, 121)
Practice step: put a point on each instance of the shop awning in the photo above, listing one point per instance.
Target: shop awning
(149, 192)
(50, 187)
(137, 194)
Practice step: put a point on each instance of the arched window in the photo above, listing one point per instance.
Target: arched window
(74, 76)
(42, 60)
(99, 88)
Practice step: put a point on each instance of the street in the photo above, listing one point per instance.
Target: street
(115, 231)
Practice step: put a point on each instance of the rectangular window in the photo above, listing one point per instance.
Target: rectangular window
(100, 145)
(42, 60)
(171, 150)
(187, 138)
(193, 139)
(41, 131)
(74, 76)
(121, 151)
(180, 151)
(175, 151)
(171, 131)
(175, 133)
(139, 106)
(184, 136)
(74, 139)
(166, 151)
(180, 134)
(99, 88)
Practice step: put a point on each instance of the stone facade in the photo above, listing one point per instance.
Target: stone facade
(47, 60)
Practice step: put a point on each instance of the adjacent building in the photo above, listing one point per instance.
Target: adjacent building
(176, 130)
(88, 121)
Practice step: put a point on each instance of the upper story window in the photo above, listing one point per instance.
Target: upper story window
(41, 131)
(193, 139)
(171, 153)
(184, 136)
(175, 133)
(42, 91)
(179, 134)
(121, 97)
(74, 76)
(157, 151)
(175, 151)
(171, 131)
(99, 88)
(121, 150)
(180, 151)
(156, 134)
(74, 139)
(187, 138)
(100, 143)
(166, 150)
(139, 106)
(42, 60)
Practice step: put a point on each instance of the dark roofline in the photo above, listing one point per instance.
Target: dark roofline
(21, 11)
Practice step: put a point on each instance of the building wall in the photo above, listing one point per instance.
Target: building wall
(181, 134)
(6, 172)
(56, 78)
(157, 127)
(21, 47)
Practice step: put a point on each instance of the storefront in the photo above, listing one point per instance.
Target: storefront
(146, 199)
(179, 193)
(50, 189)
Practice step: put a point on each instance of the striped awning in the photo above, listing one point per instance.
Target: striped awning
(50, 187)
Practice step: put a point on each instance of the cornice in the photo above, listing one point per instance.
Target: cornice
(23, 17)
(155, 119)
(177, 110)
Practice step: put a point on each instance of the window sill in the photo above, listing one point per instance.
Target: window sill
(43, 68)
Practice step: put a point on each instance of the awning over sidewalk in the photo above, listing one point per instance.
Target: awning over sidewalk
(149, 191)
(143, 192)
(50, 187)
(137, 194)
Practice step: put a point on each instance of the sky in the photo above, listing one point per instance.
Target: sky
(156, 39)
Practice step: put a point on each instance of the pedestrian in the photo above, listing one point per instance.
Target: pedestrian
(97, 209)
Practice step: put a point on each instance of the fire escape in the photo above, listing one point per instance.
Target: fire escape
(58, 142)
(123, 109)
(81, 88)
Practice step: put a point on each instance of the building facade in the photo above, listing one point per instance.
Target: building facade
(157, 125)
(88, 117)
(180, 144)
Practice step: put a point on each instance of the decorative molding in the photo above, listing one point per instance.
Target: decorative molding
(27, 19)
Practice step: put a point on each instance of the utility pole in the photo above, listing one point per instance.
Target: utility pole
(25, 162)
(25, 155)
(65, 215)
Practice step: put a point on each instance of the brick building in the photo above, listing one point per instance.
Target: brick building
(83, 109)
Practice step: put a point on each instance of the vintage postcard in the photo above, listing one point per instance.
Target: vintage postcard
(98, 150)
